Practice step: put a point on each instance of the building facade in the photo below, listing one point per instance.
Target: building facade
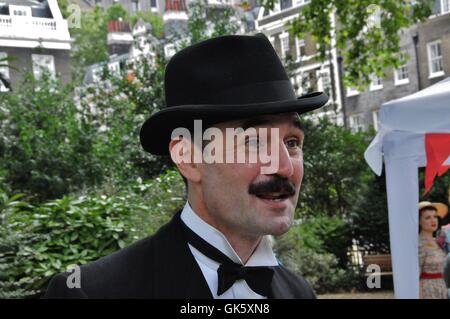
(299, 55)
(33, 37)
(426, 47)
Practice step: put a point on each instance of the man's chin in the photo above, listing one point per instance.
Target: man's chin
(280, 226)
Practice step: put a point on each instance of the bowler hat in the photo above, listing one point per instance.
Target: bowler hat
(223, 79)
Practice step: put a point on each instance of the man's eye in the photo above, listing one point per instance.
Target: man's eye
(293, 143)
(253, 142)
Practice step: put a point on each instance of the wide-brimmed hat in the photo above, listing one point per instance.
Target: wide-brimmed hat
(223, 79)
(442, 209)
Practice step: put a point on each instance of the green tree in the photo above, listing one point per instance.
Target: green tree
(368, 46)
(206, 22)
(338, 183)
(45, 151)
(90, 44)
(155, 21)
(334, 165)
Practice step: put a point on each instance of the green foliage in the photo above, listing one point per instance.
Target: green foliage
(90, 44)
(155, 21)
(207, 22)
(45, 151)
(122, 103)
(38, 241)
(11, 242)
(304, 252)
(116, 12)
(367, 48)
(369, 215)
(324, 234)
(334, 165)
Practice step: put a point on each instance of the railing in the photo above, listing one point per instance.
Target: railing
(5, 22)
(33, 28)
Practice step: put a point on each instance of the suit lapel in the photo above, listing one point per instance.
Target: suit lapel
(177, 274)
(279, 288)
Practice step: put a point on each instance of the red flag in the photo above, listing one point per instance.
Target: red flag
(437, 147)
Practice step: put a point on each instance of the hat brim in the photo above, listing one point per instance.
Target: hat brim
(442, 209)
(156, 132)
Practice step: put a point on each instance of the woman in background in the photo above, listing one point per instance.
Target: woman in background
(431, 256)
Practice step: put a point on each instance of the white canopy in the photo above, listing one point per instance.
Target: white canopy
(401, 140)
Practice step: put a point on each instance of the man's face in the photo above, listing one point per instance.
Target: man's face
(239, 197)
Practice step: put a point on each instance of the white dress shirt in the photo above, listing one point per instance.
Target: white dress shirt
(262, 256)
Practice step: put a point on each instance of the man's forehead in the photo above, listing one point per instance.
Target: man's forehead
(270, 120)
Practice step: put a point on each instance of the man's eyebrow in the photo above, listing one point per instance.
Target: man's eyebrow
(296, 123)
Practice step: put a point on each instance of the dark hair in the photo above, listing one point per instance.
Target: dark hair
(423, 209)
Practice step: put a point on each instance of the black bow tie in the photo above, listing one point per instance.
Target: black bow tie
(259, 279)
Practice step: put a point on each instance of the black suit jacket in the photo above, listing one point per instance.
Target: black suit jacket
(159, 266)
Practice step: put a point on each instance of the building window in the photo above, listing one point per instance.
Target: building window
(435, 63)
(169, 50)
(376, 83)
(4, 71)
(356, 123)
(43, 63)
(445, 6)
(301, 49)
(300, 2)
(324, 81)
(401, 75)
(352, 92)
(284, 39)
(153, 4)
(284, 4)
(20, 11)
(305, 83)
(135, 5)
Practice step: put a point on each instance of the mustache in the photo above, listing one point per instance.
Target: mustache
(276, 185)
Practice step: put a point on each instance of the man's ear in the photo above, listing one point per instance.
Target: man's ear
(182, 154)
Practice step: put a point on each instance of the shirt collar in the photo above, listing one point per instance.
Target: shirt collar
(262, 256)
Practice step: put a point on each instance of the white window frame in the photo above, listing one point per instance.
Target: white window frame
(376, 86)
(155, 8)
(287, 8)
(283, 36)
(352, 92)
(447, 2)
(397, 72)
(308, 83)
(431, 60)
(300, 43)
(169, 50)
(4, 70)
(37, 68)
(272, 41)
(299, 83)
(356, 127)
(320, 84)
(135, 6)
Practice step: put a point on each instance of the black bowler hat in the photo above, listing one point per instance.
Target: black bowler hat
(223, 79)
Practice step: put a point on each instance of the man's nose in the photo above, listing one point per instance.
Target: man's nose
(285, 167)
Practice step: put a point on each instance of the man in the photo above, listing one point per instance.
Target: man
(217, 246)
